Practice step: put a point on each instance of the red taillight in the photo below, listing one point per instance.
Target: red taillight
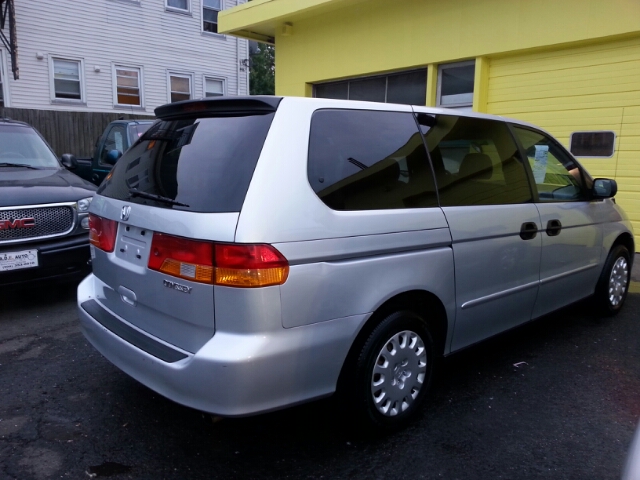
(102, 232)
(232, 265)
(183, 258)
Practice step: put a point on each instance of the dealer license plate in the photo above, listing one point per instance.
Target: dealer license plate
(18, 260)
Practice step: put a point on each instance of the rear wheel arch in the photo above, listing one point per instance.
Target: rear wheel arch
(425, 304)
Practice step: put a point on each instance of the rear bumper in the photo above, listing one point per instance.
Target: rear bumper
(232, 374)
(61, 259)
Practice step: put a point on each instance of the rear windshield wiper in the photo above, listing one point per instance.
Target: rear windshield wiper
(8, 164)
(158, 198)
(357, 163)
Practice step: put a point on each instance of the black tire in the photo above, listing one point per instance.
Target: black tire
(612, 287)
(402, 340)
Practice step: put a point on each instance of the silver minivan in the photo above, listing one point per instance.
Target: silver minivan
(251, 253)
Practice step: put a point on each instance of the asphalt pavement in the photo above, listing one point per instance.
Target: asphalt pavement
(558, 398)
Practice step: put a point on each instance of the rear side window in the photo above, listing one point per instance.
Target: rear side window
(369, 160)
(477, 162)
(194, 164)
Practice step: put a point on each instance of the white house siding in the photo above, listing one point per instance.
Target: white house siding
(133, 33)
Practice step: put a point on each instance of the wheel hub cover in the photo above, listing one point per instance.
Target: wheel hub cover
(618, 281)
(399, 373)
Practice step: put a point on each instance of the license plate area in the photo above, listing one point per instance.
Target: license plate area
(133, 244)
(18, 260)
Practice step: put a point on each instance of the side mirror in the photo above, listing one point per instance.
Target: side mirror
(112, 156)
(69, 161)
(604, 188)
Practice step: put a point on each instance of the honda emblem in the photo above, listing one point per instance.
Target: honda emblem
(125, 212)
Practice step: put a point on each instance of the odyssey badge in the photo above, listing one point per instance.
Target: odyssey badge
(176, 286)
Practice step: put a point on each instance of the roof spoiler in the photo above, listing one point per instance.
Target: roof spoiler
(219, 107)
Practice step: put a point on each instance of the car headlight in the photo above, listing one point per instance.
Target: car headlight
(84, 204)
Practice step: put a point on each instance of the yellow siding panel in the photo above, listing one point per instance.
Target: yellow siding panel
(629, 185)
(568, 62)
(595, 73)
(564, 102)
(567, 58)
(539, 90)
(630, 143)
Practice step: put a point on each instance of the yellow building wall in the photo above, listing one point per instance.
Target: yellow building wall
(376, 36)
(594, 87)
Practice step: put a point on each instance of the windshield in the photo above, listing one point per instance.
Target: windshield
(21, 145)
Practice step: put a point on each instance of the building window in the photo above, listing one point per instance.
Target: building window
(210, 9)
(182, 5)
(592, 144)
(179, 87)
(213, 87)
(128, 86)
(67, 79)
(407, 87)
(455, 85)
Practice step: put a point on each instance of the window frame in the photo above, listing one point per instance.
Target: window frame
(170, 8)
(173, 73)
(206, 77)
(114, 74)
(444, 66)
(613, 149)
(52, 88)
(202, 9)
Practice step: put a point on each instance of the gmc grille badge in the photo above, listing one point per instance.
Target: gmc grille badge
(12, 223)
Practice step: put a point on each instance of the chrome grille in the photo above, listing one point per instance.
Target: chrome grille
(49, 222)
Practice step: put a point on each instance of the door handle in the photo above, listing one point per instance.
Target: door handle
(553, 227)
(528, 231)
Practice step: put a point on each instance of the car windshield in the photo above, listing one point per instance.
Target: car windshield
(21, 145)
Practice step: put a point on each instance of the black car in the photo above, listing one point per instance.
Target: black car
(44, 224)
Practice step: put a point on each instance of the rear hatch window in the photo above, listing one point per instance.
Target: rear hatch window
(197, 164)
